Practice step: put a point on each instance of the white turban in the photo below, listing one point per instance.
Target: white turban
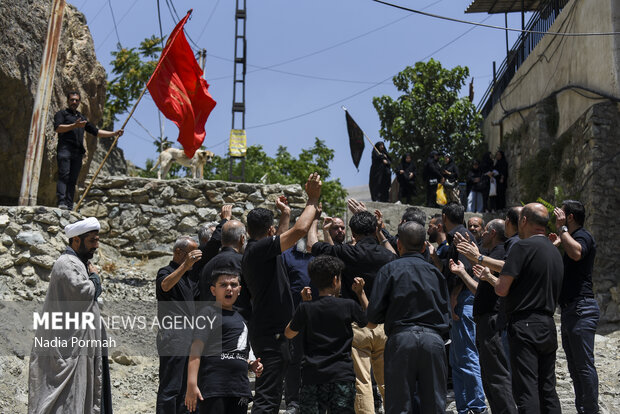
(83, 226)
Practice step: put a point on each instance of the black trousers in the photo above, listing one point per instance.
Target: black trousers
(172, 384)
(69, 165)
(533, 344)
(415, 363)
(292, 382)
(274, 353)
(431, 195)
(223, 405)
(494, 365)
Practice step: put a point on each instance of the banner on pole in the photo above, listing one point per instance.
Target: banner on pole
(238, 144)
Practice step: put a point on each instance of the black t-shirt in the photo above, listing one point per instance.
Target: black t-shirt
(537, 268)
(410, 292)
(224, 365)
(272, 304)
(486, 301)
(73, 139)
(364, 259)
(508, 244)
(325, 325)
(177, 302)
(578, 274)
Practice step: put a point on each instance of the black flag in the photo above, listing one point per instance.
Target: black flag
(356, 140)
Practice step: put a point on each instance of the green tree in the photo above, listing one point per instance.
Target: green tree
(286, 169)
(131, 69)
(429, 115)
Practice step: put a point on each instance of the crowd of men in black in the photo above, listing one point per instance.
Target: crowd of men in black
(327, 319)
(484, 184)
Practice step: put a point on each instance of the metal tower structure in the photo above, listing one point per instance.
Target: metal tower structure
(237, 134)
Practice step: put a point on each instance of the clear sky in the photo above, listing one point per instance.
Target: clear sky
(305, 60)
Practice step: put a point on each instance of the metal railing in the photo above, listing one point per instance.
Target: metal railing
(540, 21)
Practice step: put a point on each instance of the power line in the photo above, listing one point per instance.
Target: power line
(120, 21)
(301, 75)
(208, 20)
(114, 21)
(452, 19)
(363, 90)
(176, 18)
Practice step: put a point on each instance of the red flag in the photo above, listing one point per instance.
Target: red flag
(180, 92)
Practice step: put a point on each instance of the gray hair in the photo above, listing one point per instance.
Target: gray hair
(232, 234)
(183, 242)
(412, 236)
(499, 226)
(204, 234)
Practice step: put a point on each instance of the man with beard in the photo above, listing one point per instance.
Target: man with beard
(334, 230)
(70, 378)
(437, 234)
(475, 225)
(70, 125)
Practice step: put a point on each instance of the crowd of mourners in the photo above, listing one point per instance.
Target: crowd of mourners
(332, 322)
(375, 322)
(481, 189)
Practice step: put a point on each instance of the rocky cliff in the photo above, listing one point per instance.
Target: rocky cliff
(24, 27)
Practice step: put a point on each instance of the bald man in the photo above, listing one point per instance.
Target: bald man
(531, 280)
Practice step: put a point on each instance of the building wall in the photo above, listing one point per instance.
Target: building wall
(556, 62)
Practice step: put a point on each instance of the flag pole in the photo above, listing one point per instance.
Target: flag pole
(163, 54)
(366, 136)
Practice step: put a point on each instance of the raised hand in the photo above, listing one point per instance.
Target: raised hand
(226, 212)
(313, 187)
(358, 285)
(282, 205)
(355, 206)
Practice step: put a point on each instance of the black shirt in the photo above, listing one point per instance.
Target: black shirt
(209, 250)
(486, 301)
(508, 244)
(325, 326)
(272, 304)
(537, 268)
(73, 139)
(364, 259)
(410, 292)
(227, 258)
(224, 373)
(578, 274)
(177, 302)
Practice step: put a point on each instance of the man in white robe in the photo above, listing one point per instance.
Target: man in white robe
(67, 377)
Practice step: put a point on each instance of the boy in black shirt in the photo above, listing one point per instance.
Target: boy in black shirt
(328, 378)
(221, 383)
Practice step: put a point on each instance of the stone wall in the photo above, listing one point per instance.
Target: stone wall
(559, 61)
(581, 163)
(143, 216)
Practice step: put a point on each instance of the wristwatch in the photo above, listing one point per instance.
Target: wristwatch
(563, 229)
(480, 258)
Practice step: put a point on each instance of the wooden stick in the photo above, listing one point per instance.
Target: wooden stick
(77, 206)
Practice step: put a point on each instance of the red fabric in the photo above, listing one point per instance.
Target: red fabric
(180, 92)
